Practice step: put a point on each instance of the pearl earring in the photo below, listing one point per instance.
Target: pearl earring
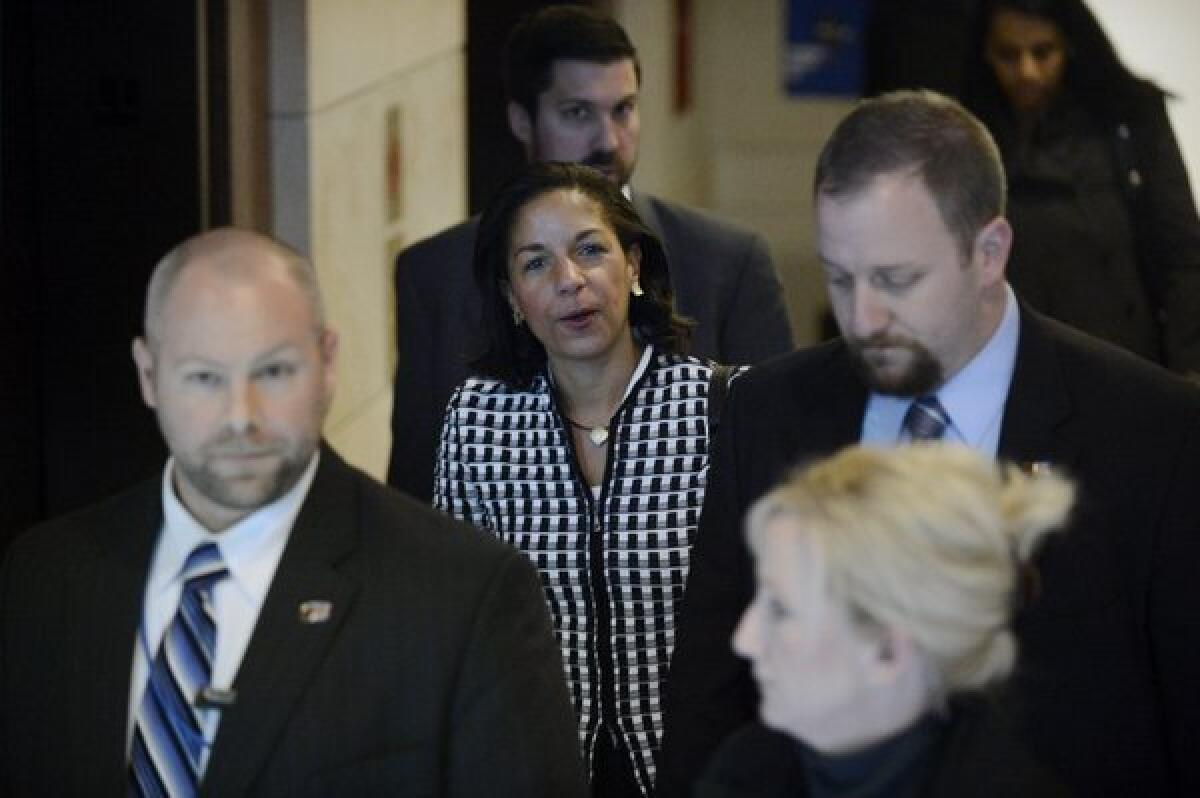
(518, 317)
(636, 288)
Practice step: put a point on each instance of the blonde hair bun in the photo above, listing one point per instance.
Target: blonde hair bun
(929, 539)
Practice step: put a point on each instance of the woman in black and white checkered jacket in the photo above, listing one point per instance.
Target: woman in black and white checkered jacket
(585, 444)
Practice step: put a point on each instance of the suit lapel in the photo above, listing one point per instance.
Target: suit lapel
(1036, 426)
(829, 400)
(285, 650)
(109, 611)
(842, 393)
(822, 402)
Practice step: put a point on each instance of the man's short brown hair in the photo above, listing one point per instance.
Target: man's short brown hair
(932, 137)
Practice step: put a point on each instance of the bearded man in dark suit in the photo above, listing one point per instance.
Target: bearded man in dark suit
(914, 243)
(573, 79)
(264, 619)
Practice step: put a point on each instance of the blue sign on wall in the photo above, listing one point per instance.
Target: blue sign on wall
(824, 52)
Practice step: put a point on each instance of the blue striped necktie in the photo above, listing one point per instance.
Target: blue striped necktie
(169, 747)
(926, 419)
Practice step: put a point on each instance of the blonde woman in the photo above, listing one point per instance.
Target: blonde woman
(886, 581)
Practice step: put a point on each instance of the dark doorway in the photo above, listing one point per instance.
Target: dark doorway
(107, 160)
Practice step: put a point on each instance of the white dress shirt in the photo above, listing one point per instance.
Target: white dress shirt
(251, 549)
(974, 398)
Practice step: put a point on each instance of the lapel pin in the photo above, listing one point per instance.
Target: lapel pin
(315, 611)
(1033, 468)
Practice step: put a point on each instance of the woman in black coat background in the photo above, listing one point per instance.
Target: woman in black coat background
(1107, 236)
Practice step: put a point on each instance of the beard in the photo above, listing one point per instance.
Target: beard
(879, 369)
(607, 163)
(245, 486)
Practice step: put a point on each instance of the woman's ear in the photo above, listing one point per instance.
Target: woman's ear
(890, 653)
(634, 258)
(517, 315)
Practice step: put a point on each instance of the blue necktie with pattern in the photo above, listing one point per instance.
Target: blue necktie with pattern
(926, 419)
(169, 747)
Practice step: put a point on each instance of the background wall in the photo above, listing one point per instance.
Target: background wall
(744, 150)
(1157, 40)
(673, 149)
(338, 72)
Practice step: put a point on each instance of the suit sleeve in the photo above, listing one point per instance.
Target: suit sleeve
(756, 325)
(1173, 620)
(6, 601)
(1169, 238)
(709, 691)
(414, 416)
(514, 731)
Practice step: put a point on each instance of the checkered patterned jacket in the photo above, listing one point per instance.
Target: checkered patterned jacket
(613, 568)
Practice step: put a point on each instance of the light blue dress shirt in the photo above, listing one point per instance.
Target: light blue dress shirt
(251, 549)
(974, 398)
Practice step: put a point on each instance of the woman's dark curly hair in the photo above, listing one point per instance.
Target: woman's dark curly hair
(511, 352)
(1095, 74)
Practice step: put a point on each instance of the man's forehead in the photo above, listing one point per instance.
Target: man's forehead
(226, 292)
(590, 79)
(228, 272)
(905, 182)
(893, 202)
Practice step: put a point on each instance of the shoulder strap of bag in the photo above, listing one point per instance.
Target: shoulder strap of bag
(718, 386)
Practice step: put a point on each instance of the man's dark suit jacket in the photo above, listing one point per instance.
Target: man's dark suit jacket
(437, 673)
(722, 276)
(1106, 684)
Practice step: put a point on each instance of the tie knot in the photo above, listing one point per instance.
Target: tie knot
(926, 419)
(203, 567)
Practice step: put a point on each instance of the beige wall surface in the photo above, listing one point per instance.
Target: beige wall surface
(672, 153)
(744, 150)
(763, 144)
(1157, 40)
(338, 72)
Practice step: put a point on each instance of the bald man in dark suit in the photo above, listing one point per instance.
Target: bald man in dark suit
(264, 619)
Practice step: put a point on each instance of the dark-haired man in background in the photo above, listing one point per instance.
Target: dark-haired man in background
(913, 240)
(573, 80)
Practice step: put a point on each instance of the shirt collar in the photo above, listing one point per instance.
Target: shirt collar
(638, 370)
(249, 548)
(973, 398)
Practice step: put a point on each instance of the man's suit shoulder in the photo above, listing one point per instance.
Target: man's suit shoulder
(454, 237)
(433, 254)
(88, 532)
(1102, 371)
(808, 365)
(699, 225)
